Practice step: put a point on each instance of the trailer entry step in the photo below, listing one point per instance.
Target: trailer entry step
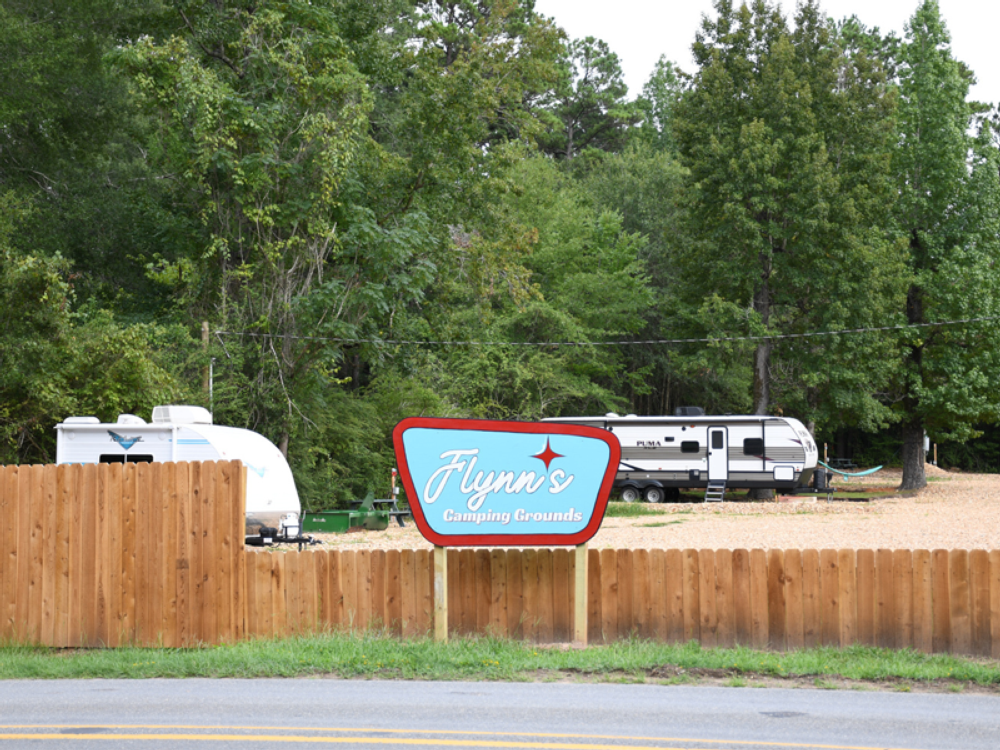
(715, 492)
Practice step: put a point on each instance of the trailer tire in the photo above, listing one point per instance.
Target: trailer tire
(653, 494)
(630, 494)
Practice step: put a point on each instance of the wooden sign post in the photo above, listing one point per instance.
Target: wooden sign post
(580, 594)
(440, 594)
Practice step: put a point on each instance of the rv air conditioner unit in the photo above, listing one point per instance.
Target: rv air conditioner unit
(689, 411)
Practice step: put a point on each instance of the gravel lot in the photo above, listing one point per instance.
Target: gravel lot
(955, 511)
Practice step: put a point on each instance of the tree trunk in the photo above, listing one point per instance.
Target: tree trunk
(283, 444)
(762, 368)
(913, 424)
(913, 455)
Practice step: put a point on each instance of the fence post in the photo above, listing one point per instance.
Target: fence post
(580, 597)
(440, 594)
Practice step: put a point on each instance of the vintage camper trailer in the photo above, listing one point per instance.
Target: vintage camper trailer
(186, 433)
(660, 455)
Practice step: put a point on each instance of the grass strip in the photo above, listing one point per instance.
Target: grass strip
(631, 510)
(377, 655)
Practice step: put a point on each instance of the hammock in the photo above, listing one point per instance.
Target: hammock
(849, 474)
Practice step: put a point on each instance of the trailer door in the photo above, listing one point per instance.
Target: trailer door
(718, 454)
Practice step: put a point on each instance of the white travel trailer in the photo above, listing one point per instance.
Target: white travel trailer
(186, 433)
(660, 455)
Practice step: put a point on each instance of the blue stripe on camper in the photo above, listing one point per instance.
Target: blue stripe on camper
(192, 441)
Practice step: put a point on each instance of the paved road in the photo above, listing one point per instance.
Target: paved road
(362, 714)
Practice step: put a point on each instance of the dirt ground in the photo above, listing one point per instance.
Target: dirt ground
(955, 511)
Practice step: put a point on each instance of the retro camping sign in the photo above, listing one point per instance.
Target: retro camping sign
(481, 482)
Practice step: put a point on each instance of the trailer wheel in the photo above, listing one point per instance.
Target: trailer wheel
(630, 494)
(653, 494)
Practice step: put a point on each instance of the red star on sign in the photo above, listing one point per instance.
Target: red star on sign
(547, 455)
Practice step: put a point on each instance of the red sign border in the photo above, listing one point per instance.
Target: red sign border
(528, 428)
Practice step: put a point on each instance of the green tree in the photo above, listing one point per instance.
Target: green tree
(782, 205)
(589, 106)
(656, 103)
(57, 361)
(948, 211)
(261, 112)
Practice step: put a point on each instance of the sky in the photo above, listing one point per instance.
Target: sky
(639, 31)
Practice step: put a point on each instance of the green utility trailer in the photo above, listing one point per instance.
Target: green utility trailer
(339, 521)
(365, 516)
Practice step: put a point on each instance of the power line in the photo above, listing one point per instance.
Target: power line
(645, 342)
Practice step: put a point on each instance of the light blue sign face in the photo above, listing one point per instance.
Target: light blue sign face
(480, 482)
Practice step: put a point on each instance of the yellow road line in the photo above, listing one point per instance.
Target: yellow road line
(339, 740)
(410, 741)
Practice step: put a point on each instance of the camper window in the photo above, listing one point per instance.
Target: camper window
(753, 447)
(138, 458)
(690, 446)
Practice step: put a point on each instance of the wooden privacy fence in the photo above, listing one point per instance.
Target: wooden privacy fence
(111, 554)
(153, 554)
(933, 601)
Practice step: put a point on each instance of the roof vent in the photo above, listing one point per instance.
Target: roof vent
(181, 415)
(130, 419)
(81, 420)
(689, 411)
(612, 415)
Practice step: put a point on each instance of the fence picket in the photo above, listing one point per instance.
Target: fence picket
(793, 599)
(961, 622)
(49, 525)
(408, 592)
(830, 586)
(741, 597)
(515, 594)
(708, 617)
(8, 551)
(65, 485)
(658, 586)
(626, 617)
(378, 615)
(454, 592)
(923, 611)
(885, 602)
(595, 597)
(425, 590)
(776, 598)
(725, 615)
(609, 595)
(498, 593)
(642, 594)
(995, 603)
(759, 635)
(691, 594)
(941, 604)
(484, 590)
(86, 589)
(866, 607)
(467, 587)
(529, 590)
(848, 597)
(393, 603)
(674, 572)
(902, 571)
(561, 589)
(979, 575)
